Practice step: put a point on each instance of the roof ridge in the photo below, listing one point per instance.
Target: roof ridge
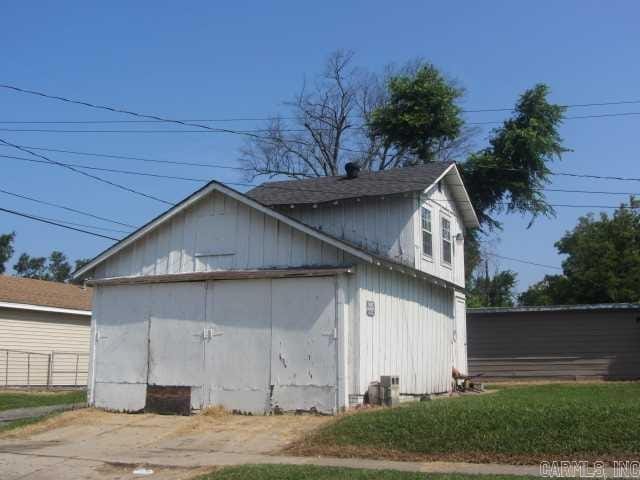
(368, 173)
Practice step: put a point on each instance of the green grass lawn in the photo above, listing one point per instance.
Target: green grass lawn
(10, 399)
(523, 424)
(309, 472)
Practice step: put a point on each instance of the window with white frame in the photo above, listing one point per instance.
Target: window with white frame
(446, 241)
(427, 236)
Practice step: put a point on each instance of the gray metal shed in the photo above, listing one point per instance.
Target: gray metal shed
(572, 342)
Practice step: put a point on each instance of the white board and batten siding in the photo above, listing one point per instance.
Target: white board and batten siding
(383, 225)
(42, 333)
(219, 233)
(406, 330)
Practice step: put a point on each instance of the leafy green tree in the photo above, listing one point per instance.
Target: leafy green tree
(508, 175)
(552, 290)
(496, 291)
(31, 267)
(81, 262)
(420, 115)
(6, 249)
(602, 263)
(58, 268)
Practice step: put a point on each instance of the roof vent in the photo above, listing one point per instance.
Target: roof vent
(352, 169)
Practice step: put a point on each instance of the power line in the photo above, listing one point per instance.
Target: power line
(80, 212)
(139, 159)
(524, 261)
(38, 219)
(229, 167)
(278, 187)
(95, 227)
(95, 177)
(268, 118)
(250, 132)
(201, 125)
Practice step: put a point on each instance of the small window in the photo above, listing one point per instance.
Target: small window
(427, 243)
(446, 241)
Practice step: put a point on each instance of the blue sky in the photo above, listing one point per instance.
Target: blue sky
(239, 59)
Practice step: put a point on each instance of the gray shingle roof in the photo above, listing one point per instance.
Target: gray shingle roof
(328, 189)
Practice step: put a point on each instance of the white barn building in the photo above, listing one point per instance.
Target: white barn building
(294, 296)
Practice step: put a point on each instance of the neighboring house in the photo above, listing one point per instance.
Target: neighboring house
(567, 341)
(44, 332)
(294, 296)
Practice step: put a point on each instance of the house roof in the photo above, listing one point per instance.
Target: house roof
(366, 184)
(595, 307)
(354, 250)
(27, 291)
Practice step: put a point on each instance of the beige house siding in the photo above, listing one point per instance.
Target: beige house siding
(39, 346)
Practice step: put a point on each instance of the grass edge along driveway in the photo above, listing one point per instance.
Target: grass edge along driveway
(517, 425)
(10, 399)
(311, 472)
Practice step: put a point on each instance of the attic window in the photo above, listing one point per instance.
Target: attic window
(427, 237)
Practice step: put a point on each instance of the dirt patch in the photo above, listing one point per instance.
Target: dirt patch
(56, 420)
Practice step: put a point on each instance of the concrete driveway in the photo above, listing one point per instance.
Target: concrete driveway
(100, 445)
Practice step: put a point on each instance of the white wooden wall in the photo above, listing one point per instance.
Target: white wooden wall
(441, 203)
(382, 225)
(409, 335)
(219, 233)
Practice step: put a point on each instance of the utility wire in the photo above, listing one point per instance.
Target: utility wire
(249, 132)
(524, 261)
(229, 167)
(38, 219)
(278, 187)
(95, 177)
(80, 212)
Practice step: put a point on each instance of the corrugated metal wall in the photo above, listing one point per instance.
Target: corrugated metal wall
(410, 333)
(41, 333)
(566, 344)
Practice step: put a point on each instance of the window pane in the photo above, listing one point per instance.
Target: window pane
(446, 240)
(426, 219)
(446, 251)
(427, 246)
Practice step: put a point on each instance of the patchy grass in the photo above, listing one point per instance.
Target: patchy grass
(24, 399)
(519, 424)
(310, 472)
(7, 427)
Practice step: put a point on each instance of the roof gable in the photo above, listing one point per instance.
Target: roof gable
(196, 197)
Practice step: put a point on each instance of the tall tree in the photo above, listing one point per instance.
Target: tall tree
(602, 263)
(329, 122)
(509, 174)
(492, 291)
(58, 268)
(31, 267)
(6, 249)
(81, 262)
